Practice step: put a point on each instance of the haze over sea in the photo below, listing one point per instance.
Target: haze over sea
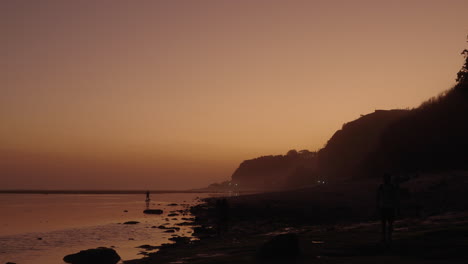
(43, 228)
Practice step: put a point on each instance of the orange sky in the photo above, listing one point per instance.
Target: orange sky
(175, 94)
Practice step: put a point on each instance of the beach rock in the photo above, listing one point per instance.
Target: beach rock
(162, 227)
(173, 214)
(153, 211)
(131, 223)
(280, 246)
(169, 231)
(10, 263)
(180, 240)
(99, 255)
(172, 204)
(148, 247)
(185, 224)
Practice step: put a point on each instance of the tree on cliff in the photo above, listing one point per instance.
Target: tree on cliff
(292, 153)
(462, 75)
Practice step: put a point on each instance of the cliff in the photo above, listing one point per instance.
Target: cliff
(272, 172)
(347, 150)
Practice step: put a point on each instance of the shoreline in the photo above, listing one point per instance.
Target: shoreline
(356, 242)
(332, 224)
(103, 191)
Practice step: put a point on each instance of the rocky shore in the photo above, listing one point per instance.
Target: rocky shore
(320, 231)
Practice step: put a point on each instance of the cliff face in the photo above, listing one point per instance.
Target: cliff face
(272, 172)
(431, 137)
(350, 147)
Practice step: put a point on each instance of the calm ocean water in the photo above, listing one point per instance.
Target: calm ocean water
(42, 229)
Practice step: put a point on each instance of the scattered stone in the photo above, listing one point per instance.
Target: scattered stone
(185, 224)
(99, 255)
(180, 240)
(173, 214)
(153, 211)
(125, 211)
(169, 231)
(39, 238)
(148, 247)
(131, 223)
(174, 218)
(172, 204)
(131, 238)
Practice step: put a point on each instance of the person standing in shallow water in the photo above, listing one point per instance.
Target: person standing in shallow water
(388, 205)
(147, 196)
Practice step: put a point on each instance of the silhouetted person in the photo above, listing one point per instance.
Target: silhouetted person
(147, 196)
(388, 204)
(222, 211)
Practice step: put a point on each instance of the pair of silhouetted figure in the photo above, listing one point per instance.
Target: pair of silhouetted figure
(388, 205)
(222, 211)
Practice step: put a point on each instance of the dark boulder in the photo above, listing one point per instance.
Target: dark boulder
(173, 214)
(280, 246)
(131, 223)
(180, 240)
(149, 247)
(99, 255)
(185, 224)
(153, 211)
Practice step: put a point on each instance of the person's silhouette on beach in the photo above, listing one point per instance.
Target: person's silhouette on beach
(388, 203)
(222, 210)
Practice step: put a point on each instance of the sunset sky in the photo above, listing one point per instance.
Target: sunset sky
(175, 94)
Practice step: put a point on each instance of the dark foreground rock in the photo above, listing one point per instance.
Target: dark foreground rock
(280, 246)
(131, 223)
(149, 247)
(99, 255)
(153, 211)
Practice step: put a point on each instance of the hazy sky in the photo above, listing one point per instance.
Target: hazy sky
(175, 94)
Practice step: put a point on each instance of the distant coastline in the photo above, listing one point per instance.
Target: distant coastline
(101, 191)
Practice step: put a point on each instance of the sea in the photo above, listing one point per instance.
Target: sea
(43, 228)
